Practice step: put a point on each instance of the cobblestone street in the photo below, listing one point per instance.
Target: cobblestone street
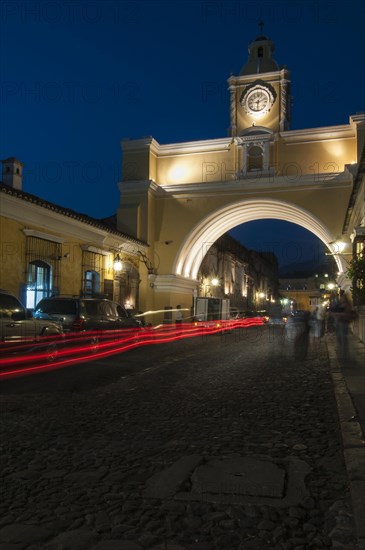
(76, 462)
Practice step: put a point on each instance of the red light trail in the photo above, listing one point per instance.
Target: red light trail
(88, 346)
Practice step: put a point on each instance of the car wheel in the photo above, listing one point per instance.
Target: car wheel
(94, 344)
(52, 353)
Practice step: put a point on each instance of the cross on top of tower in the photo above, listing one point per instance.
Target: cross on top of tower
(261, 26)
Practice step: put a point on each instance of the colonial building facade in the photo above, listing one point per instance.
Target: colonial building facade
(354, 229)
(47, 249)
(247, 277)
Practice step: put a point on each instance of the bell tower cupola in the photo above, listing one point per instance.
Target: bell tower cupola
(260, 58)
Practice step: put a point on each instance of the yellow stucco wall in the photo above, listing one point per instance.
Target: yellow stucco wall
(195, 168)
(12, 265)
(136, 164)
(316, 157)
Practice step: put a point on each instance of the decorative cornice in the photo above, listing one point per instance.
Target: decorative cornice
(191, 147)
(140, 144)
(136, 187)
(251, 185)
(272, 76)
(249, 138)
(359, 119)
(328, 133)
(183, 148)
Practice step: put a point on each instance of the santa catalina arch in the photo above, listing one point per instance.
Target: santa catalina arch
(182, 197)
(192, 250)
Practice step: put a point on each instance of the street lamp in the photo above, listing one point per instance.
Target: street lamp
(117, 263)
(338, 246)
(208, 285)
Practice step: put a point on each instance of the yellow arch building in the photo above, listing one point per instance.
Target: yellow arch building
(181, 197)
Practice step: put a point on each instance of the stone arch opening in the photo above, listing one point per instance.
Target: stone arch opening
(195, 245)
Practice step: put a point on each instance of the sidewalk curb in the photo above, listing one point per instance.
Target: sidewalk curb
(353, 444)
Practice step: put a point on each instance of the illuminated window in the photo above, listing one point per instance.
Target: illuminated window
(38, 284)
(91, 283)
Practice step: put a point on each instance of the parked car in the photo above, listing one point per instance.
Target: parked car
(80, 314)
(17, 326)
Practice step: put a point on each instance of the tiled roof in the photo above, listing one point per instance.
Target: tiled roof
(84, 218)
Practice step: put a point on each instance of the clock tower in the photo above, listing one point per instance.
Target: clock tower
(260, 94)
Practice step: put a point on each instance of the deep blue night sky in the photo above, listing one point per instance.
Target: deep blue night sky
(76, 77)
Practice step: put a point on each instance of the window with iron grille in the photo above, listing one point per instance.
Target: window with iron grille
(92, 268)
(42, 269)
(255, 158)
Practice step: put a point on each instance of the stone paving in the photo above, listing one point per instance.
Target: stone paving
(77, 466)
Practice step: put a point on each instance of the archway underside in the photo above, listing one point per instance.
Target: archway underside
(203, 235)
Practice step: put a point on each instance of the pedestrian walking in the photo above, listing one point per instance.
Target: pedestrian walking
(317, 323)
(302, 339)
(314, 328)
(343, 316)
(178, 317)
(321, 317)
(297, 334)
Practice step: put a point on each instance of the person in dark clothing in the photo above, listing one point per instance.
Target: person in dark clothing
(178, 317)
(342, 314)
(297, 334)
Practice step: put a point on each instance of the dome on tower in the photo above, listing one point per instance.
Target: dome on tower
(260, 58)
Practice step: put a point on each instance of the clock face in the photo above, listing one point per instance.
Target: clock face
(258, 101)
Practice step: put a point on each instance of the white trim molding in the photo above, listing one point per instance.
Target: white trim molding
(42, 235)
